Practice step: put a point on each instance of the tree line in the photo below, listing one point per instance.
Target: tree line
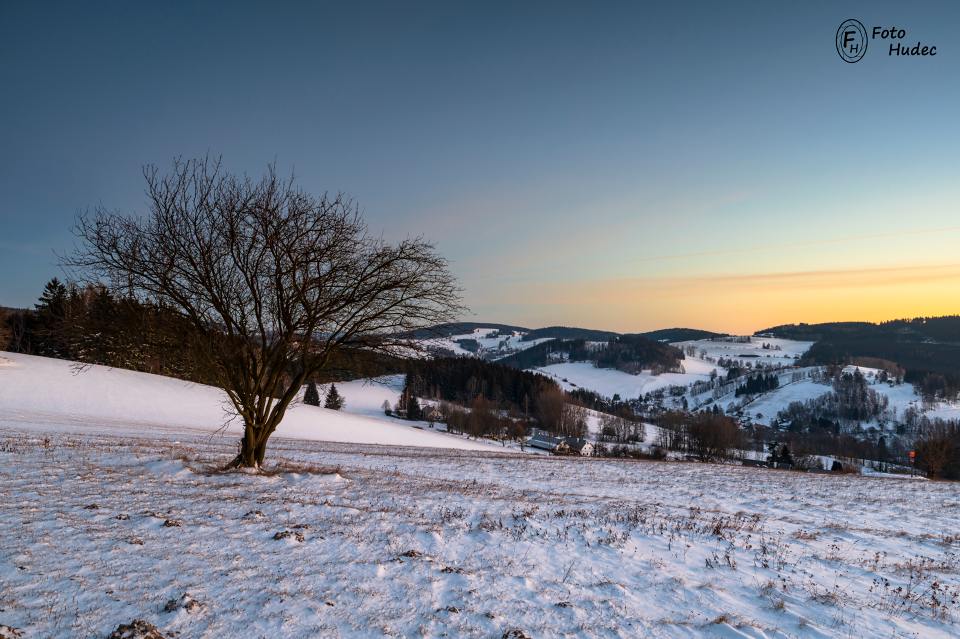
(502, 401)
(759, 383)
(91, 324)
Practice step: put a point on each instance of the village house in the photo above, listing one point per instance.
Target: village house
(560, 445)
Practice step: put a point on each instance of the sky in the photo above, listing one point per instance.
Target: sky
(609, 165)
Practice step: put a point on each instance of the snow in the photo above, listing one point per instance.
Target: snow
(351, 540)
(492, 345)
(56, 395)
(766, 406)
(610, 381)
(607, 382)
(945, 410)
(366, 396)
(900, 397)
(781, 352)
(111, 508)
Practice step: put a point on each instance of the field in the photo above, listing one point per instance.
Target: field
(778, 352)
(354, 541)
(112, 508)
(609, 381)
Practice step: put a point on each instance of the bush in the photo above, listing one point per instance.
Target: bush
(938, 451)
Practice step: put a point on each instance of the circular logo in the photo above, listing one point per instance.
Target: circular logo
(851, 40)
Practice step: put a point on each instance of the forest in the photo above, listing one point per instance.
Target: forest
(462, 379)
(92, 325)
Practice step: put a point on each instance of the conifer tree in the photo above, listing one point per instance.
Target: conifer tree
(311, 396)
(50, 318)
(413, 409)
(334, 399)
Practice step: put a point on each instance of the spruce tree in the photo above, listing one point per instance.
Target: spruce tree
(334, 399)
(413, 409)
(312, 396)
(48, 324)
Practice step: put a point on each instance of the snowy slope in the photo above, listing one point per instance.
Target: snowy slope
(779, 352)
(366, 396)
(609, 381)
(43, 393)
(492, 343)
(765, 407)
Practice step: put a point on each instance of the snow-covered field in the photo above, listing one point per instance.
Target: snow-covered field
(54, 394)
(900, 397)
(492, 344)
(360, 541)
(111, 509)
(609, 381)
(765, 408)
(778, 352)
(945, 410)
(697, 366)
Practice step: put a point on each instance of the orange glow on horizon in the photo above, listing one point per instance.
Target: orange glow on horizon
(738, 303)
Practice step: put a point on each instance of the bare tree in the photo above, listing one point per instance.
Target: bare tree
(558, 416)
(273, 279)
(712, 437)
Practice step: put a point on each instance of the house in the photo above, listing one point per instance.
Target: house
(544, 441)
(579, 446)
(560, 445)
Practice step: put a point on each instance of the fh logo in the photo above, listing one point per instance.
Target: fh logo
(851, 40)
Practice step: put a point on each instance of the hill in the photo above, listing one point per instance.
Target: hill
(569, 332)
(680, 334)
(461, 328)
(627, 353)
(927, 348)
(57, 395)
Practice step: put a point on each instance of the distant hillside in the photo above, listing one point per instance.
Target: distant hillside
(927, 347)
(680, 334)
(945, 329)
(628, 353)
(460, 328)
(814, 332)
(569, 332)
(559, 332)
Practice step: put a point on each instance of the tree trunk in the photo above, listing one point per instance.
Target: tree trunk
(261, 449)
(253, 447)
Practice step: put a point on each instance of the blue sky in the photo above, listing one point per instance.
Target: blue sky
(611, 165)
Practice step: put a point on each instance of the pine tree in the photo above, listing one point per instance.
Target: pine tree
(50, 319)
(53, 300)
(311, 396)
(413, 409)
(334, 399)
